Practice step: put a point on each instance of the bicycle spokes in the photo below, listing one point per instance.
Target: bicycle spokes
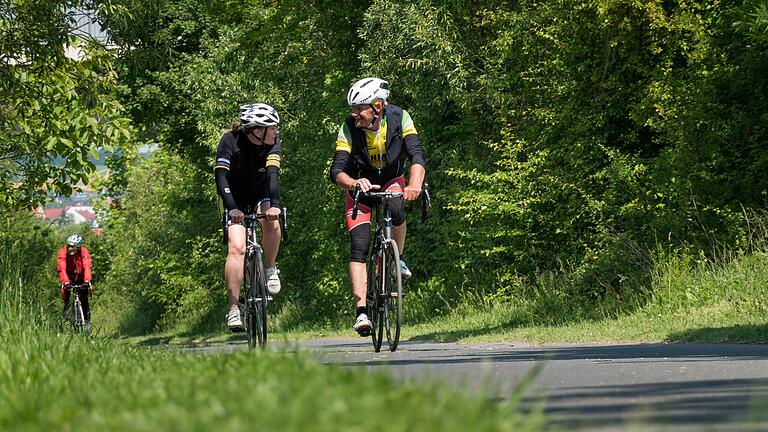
(392, 292)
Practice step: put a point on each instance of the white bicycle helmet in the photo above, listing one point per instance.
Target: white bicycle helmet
(368, 90)
(74, 240)
(258, 114)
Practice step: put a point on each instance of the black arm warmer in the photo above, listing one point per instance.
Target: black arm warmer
(273, 185)
(222, 184)
(415, 150)
(340, 161)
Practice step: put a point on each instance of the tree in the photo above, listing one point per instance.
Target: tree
(52, 106)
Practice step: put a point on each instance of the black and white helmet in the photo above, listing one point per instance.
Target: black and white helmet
(74, 240)
(368, 90)
(258, 114)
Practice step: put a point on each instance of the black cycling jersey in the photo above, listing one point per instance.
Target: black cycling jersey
(246, 172)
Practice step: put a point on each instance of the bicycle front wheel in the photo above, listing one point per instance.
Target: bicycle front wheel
(79, 321)
(393, 293)
(374, 300)
(252, 324)
(262, 299)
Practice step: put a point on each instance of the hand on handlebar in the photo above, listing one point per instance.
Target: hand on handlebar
(365, 185)
(273, 213)
(411, 192)
(236, 216)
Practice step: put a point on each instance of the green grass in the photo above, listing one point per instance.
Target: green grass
(692, 300)
(52, 379)
(66, 383)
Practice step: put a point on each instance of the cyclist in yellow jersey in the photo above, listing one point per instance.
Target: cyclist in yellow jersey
(372, 148)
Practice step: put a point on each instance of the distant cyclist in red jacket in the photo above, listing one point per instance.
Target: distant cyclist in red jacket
(74, 266)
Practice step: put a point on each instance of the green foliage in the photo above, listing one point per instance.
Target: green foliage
(28, 249)
(165, 253)
(564, 139)
(53, 106)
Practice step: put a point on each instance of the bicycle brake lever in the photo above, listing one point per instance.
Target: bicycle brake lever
(284, 215)
(426, 203)
(357, 199)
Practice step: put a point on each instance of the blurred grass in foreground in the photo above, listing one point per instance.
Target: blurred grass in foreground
(52, 379)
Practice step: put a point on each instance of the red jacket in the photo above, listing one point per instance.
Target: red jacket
(74, 268)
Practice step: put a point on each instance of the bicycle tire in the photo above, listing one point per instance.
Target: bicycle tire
(251, 325)
(392, 297)
(373, 300)
(79, 322)
(261, 305)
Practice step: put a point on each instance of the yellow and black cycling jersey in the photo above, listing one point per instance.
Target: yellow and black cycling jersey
(378, 155)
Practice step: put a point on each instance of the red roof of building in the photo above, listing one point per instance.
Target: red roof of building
(89, 215)
(53, 213)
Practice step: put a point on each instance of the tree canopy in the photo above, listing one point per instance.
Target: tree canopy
(53, 105)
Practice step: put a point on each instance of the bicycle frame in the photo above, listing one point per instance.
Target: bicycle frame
(78, 319)
(384, 286)
(384, 295)
(255, 292)
(254, 283)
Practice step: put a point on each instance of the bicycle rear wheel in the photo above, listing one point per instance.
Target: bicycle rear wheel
(393, 294)
(373, 300)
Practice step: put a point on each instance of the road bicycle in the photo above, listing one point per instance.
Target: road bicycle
(254, 292)
(76, 314)
(384, 297)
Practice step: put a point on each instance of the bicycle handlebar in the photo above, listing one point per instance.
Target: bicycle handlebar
(252, 217)
(358, 192)
(426, 200)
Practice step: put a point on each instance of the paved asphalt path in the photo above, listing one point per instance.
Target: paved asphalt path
(630, 387)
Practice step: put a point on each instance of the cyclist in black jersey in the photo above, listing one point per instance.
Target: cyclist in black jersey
(247, 178)
(371, 150)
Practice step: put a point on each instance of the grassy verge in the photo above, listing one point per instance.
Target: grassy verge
(690, 300)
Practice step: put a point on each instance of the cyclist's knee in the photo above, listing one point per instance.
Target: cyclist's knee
(359, 243)
(236, 247)
(270, 226)
(398, 214)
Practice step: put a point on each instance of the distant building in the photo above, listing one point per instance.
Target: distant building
(68, 215)
(80, 214)
(86, 25)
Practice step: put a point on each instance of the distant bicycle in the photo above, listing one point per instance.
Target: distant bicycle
(76, 315)
(384, 296)
(255, 295)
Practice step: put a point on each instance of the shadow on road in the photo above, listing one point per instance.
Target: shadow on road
(735, 404)
(736, 333)
(634, 353)
(702, 405)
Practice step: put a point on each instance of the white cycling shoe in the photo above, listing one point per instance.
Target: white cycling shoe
(363, 325)
(234, 322)
(273, 280)
(404, 272)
